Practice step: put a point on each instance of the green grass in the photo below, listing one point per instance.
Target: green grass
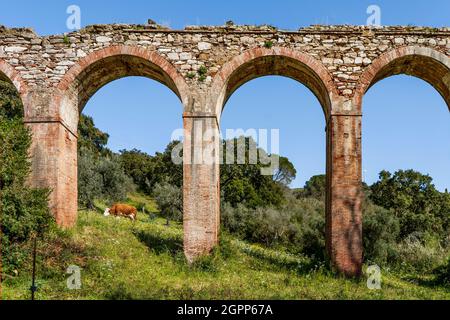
(144, 260)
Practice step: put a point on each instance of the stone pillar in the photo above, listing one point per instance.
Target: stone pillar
(344, 199)
(201, 187)
(53, 154)
(54, 165)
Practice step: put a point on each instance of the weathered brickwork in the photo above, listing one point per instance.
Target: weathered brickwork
(203, 66)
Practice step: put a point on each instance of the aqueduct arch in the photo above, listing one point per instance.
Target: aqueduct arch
(56, 75)
(72, 93)
(275, 61)
(251, 64)
(9, 74)
(421, 62)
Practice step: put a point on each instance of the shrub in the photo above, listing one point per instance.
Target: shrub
(170, 201)
(309, 214)
(116, 184)
(101, 177)
(381, 230)
(89, 180)
(268, 44)
(443, 273)
(299, 226)
(23, 210)
(420, 253)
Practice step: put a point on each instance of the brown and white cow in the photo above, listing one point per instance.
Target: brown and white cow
(122, 210)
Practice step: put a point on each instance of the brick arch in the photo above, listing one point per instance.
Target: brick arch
(99, 68)
(280, 61)
(422, 62)
(9, 74)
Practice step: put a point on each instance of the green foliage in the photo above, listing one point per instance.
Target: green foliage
(101, 178)
(153, 267)
(414, 200)
(90, 137)
(170, 201)
(202, 72)
(285, 173)
(100, 171)
(443, 274)
(140, 167)
(381, 230)
(66, 40)
(10, 103)
(148, 171)
(298, 226)
(315, 187)
(15, 141)
(268, 44)
(407, 227)
(23, 210)
(244, 183)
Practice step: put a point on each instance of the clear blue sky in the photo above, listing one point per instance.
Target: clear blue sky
(406, 122)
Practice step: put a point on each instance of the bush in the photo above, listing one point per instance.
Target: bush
(299, 225)
(443, 274)
(384, 244)
(116, 184)
(381, 230)
(310, 216)
(89, 181)
(170, 201)
(101, 177)
(24, 211)
(420, 253)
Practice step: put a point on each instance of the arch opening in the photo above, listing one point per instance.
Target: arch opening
(135, 100)
(10, 75)
(102, 72)
(418, 121)
(423, 63)
(270, 67)
(273, 62)
(98, 69)
(72, 93)
(406, 151)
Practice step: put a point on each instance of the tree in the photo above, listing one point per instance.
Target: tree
(414, 199)
(140, 167)
(316, 187)
(244, 183)
(101, 178)
(89, 180)
(11, 105)
(170, 201)
(148, 171)
(90, 137)
(285, 172)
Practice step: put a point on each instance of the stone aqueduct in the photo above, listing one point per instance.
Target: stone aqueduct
(56, 75)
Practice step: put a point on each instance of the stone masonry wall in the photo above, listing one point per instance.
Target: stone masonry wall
(344, 50)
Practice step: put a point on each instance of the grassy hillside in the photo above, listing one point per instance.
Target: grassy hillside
(144, 260)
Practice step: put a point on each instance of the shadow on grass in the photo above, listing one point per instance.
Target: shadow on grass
(299, 265)
(432, 283)
(158, 244)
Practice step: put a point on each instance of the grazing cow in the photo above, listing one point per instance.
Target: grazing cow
(122, 210)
